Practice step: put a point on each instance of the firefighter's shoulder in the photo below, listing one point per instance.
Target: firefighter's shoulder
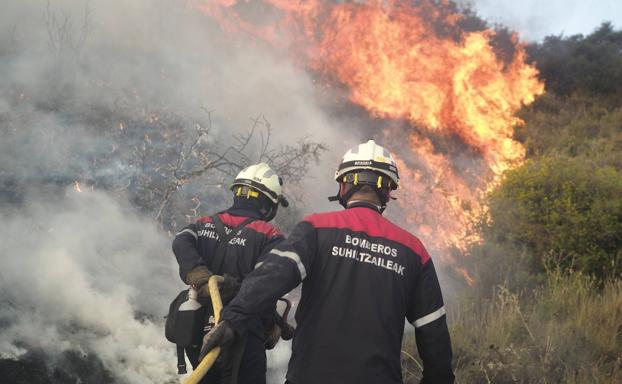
(372, 224)
(400, 235)
(333, 219)
(265, 228)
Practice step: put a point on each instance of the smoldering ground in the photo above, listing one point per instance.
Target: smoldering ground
(82, 273)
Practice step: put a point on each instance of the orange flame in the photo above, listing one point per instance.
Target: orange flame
(412, 63)
(76, 186)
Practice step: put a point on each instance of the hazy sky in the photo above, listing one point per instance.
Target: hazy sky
(534, 19)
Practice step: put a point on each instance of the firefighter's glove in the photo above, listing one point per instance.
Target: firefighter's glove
(229, 288)
(221, 336)
(287, 330)
(198, 278)
(272, 336)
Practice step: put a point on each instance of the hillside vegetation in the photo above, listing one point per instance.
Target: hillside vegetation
(546, 306)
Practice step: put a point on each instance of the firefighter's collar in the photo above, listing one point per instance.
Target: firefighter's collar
(245, 212)
(364, 204)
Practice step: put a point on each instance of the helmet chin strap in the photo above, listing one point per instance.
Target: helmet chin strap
(269, 212)
(345, 197)
(269, 209)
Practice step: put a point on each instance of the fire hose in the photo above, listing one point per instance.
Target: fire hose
(212, 355)
(287, 331)
(209, 359)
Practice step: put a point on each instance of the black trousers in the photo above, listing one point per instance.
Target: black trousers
(252, 365)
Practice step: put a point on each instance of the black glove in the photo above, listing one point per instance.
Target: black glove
(272, 336)
(198, 278)
(287, 330)
(222, 335)
(229, 288)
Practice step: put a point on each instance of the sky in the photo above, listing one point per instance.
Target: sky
(535, 19)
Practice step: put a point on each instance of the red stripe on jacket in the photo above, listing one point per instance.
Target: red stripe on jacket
(258, 225)
(372, 223)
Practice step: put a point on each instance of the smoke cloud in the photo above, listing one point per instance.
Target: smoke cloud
(67, 62)
(81, 85)
(83, 273)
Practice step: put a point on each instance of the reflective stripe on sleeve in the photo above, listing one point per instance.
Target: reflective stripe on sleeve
(190, 231)
(293, 256)
(429, 318)
(258, 265)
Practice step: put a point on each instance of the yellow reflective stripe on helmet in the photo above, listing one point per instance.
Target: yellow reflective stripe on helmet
(356, 178)
(250, 193)
(379, 183)
(247, 191)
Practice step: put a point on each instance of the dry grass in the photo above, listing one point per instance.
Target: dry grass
(569, 330)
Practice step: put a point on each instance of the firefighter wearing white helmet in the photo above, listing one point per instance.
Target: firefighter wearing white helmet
(232, 243)
(367, 164)
(362, 276)
(259, 181)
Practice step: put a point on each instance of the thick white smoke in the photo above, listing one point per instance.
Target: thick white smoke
(85, 273)
(82, 273)
(72, 58)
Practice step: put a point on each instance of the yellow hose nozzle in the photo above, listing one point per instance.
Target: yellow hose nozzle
(212, 355)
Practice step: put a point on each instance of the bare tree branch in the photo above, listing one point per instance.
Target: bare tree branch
(181, 158)
(63, 38)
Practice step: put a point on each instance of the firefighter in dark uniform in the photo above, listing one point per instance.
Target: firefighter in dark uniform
(257, 195)
(361, 277)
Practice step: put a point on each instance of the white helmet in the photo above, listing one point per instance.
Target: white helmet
(262, 178)
(369, 156)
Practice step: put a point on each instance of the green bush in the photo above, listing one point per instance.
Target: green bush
(562, 210)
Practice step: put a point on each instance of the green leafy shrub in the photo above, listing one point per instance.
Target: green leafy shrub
(563, 210)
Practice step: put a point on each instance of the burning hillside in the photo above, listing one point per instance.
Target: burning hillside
(148, 110)
(446, 98)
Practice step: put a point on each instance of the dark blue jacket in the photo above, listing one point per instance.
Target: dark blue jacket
(196, 244)
(362, 276)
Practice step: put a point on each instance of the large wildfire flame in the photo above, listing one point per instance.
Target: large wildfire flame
(450, 97)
